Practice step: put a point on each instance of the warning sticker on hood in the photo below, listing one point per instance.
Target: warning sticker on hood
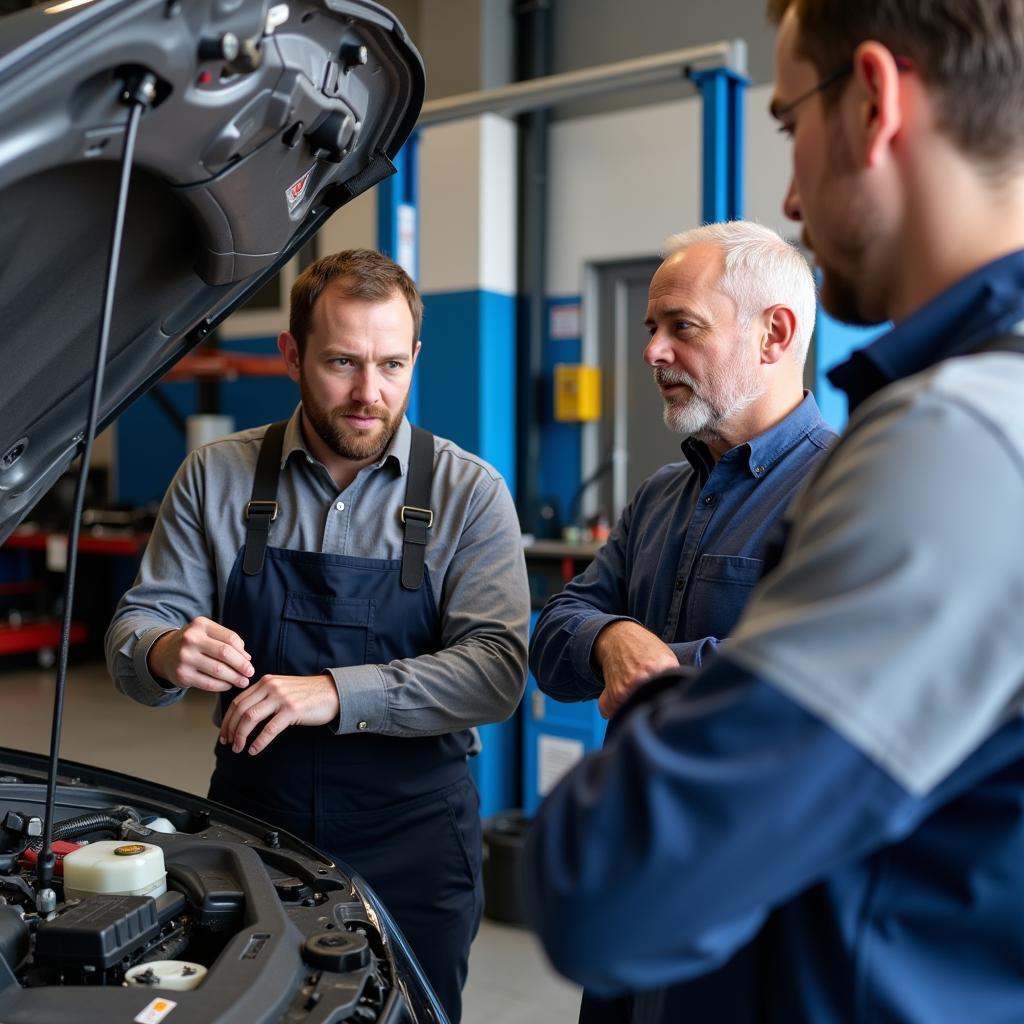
(297, 190)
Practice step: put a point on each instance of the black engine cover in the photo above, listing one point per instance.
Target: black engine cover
(99, 932)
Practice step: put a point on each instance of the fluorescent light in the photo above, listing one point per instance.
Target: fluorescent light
(67, 5)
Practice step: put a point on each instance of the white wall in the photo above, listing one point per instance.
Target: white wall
(768, 161)
(622, 182)
(354, 226)
(468, 206)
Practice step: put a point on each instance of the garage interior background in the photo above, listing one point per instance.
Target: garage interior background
(623, 171)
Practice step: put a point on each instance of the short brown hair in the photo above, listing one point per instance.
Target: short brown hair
(970, 54)
(360, 274)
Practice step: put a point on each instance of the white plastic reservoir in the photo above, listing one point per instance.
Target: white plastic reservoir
(176, 975)
(112, 867)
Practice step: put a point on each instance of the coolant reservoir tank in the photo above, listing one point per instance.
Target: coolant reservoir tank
(115, 869)
(176, 975)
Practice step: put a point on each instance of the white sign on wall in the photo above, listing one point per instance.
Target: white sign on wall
(406, 255)
(556, 757)
(565, 321)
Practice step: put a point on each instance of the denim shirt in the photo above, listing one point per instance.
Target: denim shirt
(684, 555)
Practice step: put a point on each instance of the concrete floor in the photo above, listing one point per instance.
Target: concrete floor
(509, 982)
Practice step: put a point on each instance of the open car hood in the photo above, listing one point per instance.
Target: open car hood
(268, 117)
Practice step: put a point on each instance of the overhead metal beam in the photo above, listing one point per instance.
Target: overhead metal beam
(538, 93)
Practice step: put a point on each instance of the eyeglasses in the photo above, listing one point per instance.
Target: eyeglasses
(782, 112)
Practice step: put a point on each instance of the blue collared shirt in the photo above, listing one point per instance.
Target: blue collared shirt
(684, 555)
(984, 304)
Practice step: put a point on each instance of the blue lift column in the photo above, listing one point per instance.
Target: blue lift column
(723, 92)
(398, 225)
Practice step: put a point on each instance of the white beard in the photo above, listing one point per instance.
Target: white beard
(708, 407)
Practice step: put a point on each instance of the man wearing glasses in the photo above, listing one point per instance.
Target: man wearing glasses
(830, 817)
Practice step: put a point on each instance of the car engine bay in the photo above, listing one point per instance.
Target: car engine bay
(182, 903)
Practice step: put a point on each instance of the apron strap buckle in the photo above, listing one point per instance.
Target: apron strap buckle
(261, 508)
(417, 514)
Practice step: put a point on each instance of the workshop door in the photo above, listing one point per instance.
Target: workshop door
(631, 434)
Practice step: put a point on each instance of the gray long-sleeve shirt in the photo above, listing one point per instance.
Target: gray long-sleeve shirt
(474, 555)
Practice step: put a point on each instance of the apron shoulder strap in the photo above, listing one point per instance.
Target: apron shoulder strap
(416, 514)
(261, 510)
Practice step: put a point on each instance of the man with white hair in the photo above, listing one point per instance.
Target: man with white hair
(730, 317)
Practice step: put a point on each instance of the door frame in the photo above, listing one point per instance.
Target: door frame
(632, 270)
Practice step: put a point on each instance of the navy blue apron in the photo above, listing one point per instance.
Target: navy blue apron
(401, 811)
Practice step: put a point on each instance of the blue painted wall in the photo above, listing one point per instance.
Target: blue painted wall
(561, 443)
(467, 393)
(467, 374)
(833, 343)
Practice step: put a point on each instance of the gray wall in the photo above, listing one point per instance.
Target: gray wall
(593, 32)
(467, 44)
(598, 31)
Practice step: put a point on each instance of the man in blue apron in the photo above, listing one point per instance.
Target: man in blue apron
(354, 589)
(831, 813)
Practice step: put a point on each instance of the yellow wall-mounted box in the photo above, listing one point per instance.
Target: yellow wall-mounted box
(577, 393)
